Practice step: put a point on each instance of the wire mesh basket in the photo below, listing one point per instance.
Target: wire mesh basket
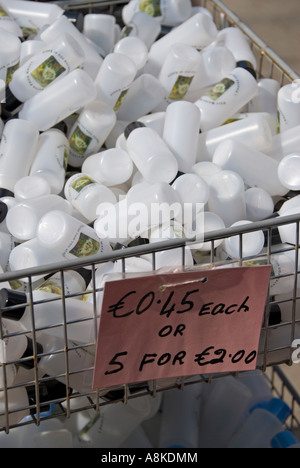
(42, 396)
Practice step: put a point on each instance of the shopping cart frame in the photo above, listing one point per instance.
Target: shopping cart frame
(269, 66)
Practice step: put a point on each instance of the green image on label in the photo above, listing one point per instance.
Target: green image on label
(10, 71)
(47, 72)
(51, 287)
(3, 12)
(181, 88)
(120, 100)
(126, 32)
(29, 31)
(151, 7)
(82, 182)
(79, 141)
(219, 89)
(66, 159)
(85, 247)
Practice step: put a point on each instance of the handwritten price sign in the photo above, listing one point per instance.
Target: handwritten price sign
(165, 326)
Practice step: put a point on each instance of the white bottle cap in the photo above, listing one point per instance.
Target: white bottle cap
(289, 172)
(253, 243)
(31, 187)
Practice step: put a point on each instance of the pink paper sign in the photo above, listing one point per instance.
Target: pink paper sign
(174, 325)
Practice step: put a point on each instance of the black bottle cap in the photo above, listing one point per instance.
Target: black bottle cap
(6, 193)
(133, 126)
(275, 315)
(247, 66)
(29, 352)
(179, 174)
(9, 298)
(3, 211)
(86, 275)
(139, 241)
(11, 102)
(49, 391)
(76, 18)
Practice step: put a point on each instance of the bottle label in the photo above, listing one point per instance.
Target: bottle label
(3, 13)
(79, 184)
(126, 31)
(180, 88)
(47, 71)
(151, 7)
(85, 246)
(10, 71)
(120, 99)
(219, 89)
(79, 141)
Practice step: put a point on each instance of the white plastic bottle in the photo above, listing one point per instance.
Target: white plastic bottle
(180, 418)
(111, 167)
(100, 29)
(10, 50)
(261, 426)
(198, 31)
(47, 313)
(144, 95)
(266, 99)
(66, 235)
(213, 64)
(135, 49)
(23, 219)
(178, 71)
(227, 197)
(31, 187)
(20, 399)
(251, 165)
(226, 98)
(193, 192)
(289, 106)
(89, 132)
(114, 79)
(32, 254)
(253, 243)
(285, 143)
(61, 26)
(288, 172)
(53, 62)
(116, 423)
(236, 41)
(13, 347)
(181, 132)
(80, 362)
(7, 22)
(17, 151)
(226, 405)
(30, 48)
(150, 154)
(134, 6)
(61, 99)
(143, 26)
(51, 159)
(86, 194)
(259, 204)
(256, 131)
(31, 14)
(73, 283)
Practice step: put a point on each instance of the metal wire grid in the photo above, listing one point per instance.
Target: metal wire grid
(66, 399)
(270, 65)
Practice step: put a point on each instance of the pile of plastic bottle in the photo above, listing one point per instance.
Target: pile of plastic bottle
(100, 116)
(228, 413)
